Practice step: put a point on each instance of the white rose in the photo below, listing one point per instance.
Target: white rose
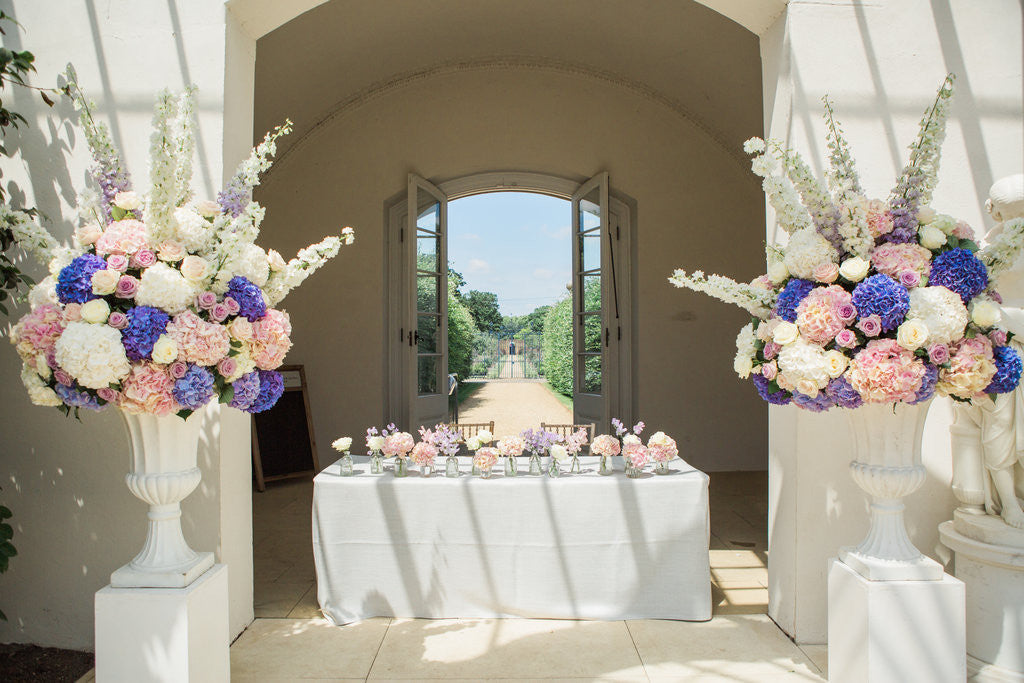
(912, 334)
(743, 365)
(485, 436)
(240, 329)
(854, 269)
(631, 439)
(931, 237)
(342, 444)
(105, 281)
(778, 272)
(559, 452)
(473, 443)
(129, 201)
(375, 443)
(208, 208)
(983, 313)
(165, 350)
(925, 215)
(785, 333)
(194, 268)
(807, 387)
(835, 363)
(95, 311)
(275, 260)
(944, 223)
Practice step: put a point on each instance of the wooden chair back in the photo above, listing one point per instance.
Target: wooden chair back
(565, 430)
(468, 429)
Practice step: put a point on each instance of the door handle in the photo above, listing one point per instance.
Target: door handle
(414, 337)
(606, 337)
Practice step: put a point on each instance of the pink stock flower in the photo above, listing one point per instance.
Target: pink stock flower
(117, 320)
(846, 338)
(885, 372)
(199, 342)
(938, 353)
(818, 315)
(126, 287)
(485, 458)
(605, 444)
(122, 237)
(636, 454)
(270, 339)
(871, 326)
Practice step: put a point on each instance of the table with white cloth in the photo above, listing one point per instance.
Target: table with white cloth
(580, 546)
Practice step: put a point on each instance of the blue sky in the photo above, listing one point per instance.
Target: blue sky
(514, 244)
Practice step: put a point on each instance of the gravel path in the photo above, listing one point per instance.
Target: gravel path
(514, 406)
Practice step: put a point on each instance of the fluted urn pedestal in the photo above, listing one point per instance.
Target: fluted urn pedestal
(163, 473)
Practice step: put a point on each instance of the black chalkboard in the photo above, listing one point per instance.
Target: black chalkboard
(282, 437)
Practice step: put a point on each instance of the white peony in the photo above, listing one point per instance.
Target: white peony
(804, 365)
(164, 287)
(92, 354)
(38, 392)
(912, 334)
(942, 312)
(778, 272)
(806, 251)
(743, 365)
(985, 314)
(473, 443)
(931, 237)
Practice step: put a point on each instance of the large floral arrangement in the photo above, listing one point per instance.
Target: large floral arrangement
(869, 301)
(162, 302)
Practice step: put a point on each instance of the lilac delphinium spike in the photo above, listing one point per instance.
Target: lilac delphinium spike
(638, 427)
(620, 429)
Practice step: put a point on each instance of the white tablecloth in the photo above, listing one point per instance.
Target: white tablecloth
(574, 547)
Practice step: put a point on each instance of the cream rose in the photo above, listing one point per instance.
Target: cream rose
(171, 251)
(807, 387)
(207, 208)
(778, 272)
(105, 281)
(165, 350)
(835, 363)
(944, 223)
(129, 201)
(985, 314)
(240, 329)
(194, 268)
(473, 443)
(485, 436)
(785, 333)
(925, 215)
(88, 233)
(912, 334)
(275, 260)
(854, 269)
(931, 237)
(95, 311)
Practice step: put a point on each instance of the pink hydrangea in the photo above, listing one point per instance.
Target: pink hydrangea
(198, 341)
(122, 237)
(971, 368)
(819, 315)
(893, 259)
(605, 444)
(485, 458)
(424, 453)
(885, 372)
(511, 446)
(963, 231)
(879, 219)
(636, 454)
(270, 339)
(147, 389)
(37, 332)
(399, 443)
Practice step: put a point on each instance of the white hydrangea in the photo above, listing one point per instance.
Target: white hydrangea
(804, 364)
(746, 349)
(164, 287)
(44, 292)
(192, 230)
(807, 250)
(942, 312)
(92, 354)
(38, 392)
(251, 263)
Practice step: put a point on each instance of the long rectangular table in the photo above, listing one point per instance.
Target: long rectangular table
(573, 547)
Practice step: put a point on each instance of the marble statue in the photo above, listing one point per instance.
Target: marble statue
(988, 437)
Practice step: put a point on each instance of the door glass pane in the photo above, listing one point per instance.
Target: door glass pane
(426, 328)
(429, 217)
(426, 293)
(590, 286)
(427, 248)
(591, 369)
(592, 332)
(590, 211)
(426, 371)
(590, 250)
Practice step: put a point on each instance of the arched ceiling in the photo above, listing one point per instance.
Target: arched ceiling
(693, 58)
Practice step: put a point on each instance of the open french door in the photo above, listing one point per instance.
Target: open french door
(596, 324)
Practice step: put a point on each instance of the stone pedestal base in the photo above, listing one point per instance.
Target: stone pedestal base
(164, 634)
(894, 631)
(994, 576)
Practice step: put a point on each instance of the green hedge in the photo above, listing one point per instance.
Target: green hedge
(558, 347)
(461, 331)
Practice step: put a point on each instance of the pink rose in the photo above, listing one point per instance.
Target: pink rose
(72, 313)
(771, 349)
(769, 370)
(117, 320)
(227, 367)
(118, 262)
(847, 339)
(963, 231)
(143, 258)
(996, 296)
(109, 395)
(938, 353)
(826, 272)
(206, 300)
(871, 325)
(240, 329)
(233, 307)
(910, 278)
(997, 337)
(63, 377)
(847, 312)
(126, 287)
(177, 369)
(218, 312)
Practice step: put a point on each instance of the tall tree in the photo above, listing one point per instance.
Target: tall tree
(483, 306)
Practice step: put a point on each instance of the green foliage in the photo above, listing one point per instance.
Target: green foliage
(483, 306)
(558, 346)
(461, 333)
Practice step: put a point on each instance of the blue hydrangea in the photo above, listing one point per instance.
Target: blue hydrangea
(78, 399)
(271, 388)
(145, 325)
(195, 389)
(74, 282)
(928, 382)
(247, 390)
(249, 297)
(960, 271)
(842, 393)
(882, 296)
(778, 398)
(818, 404)
(791, 296)
(1008, 367)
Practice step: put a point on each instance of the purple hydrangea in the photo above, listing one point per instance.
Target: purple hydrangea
(882, 296)
(960, 271)
(1008, 368)
(842, 393)
(928, 382)
(247, 390)
(271, 388)
(778, 398)
(818, 404)
(251, 303)
(78, 399)
(74, 282)
(195, 389)
(145, 325)
(791, 296)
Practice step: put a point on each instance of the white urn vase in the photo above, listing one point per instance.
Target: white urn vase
(163, 473)
(888, 468)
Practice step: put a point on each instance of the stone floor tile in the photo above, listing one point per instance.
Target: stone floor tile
(731, 600)
(499, 648)
(277, 599)
(751, 577)
(818, 654)
(308, 607)
(738, 558)
(293, 649)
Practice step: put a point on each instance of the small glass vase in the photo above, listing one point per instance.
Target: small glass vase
(511, 468)
(376, 463)
(661, 468)
(633, 472)
(535, 466)
(553, 468)
(451, 467)
(426, 469)
(346, 465)
(475, 472)
(574, 465)
(606, 466)
(485, 472)
(401, 467)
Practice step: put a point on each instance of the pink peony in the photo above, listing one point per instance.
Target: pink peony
(605, 444)
(892, 259)
(198, 341)
(398, 444)
(871, 326)
(424, 453)
(818, 316)
(485, 458)
(122, 237)
(885, 372)
(270, 339)
(37, 332)
(971, 369)
(147, 389)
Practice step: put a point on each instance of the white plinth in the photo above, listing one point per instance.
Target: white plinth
(164, 634)
(894, 631)
(994, 576)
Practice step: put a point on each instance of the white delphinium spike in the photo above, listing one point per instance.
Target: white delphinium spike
(842, 174)
(1003, 249)
(789, 211)
(184, 146)
(758, 301)
(163, 188)
(813, 194)
(306, 262)
(30, 236)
